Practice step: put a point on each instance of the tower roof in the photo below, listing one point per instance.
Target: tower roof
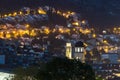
(79, 44)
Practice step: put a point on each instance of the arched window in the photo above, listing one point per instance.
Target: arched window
(79, 49)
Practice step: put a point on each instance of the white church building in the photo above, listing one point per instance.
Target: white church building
(75, 51)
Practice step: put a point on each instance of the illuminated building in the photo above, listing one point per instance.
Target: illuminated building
(76, 51)
(79, 51)
(69, 50)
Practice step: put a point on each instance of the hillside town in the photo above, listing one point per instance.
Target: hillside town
(27, 38)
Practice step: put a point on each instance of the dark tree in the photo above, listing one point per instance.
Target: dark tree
(25, 73)
(65, 69)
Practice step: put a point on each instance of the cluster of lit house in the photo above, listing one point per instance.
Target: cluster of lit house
(21, 51)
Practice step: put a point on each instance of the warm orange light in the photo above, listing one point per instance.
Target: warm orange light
(40, 11)
(115, 28)
(15, 13)
(9, 14)
(5, 15)
(94, 35)
(27, 25)
(83, 22)
(105, 41)
(76, 23)
(47, 31)
(21, 12)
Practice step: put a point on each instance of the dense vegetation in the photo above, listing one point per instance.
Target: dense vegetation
(56, 69)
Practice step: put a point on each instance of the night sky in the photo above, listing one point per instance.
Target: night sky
(97, 12)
